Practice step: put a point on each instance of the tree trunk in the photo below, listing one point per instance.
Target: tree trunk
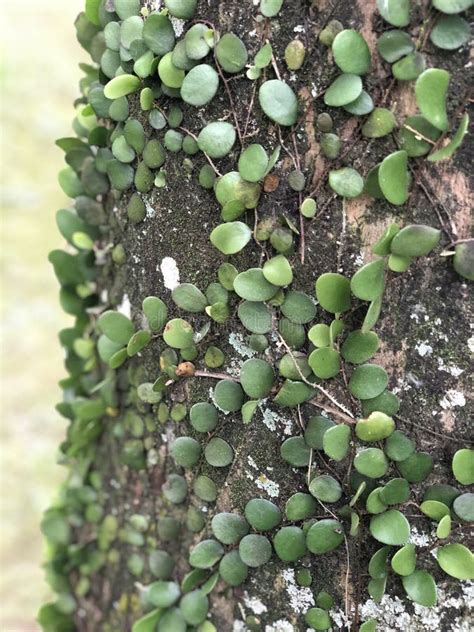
(423, 329)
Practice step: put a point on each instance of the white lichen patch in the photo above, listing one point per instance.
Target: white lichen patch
(150, 212)
(424, 349)
(451, 613)
(280, 626)
(452, 369)
(267, 485)
(254, 604)
(274, 420)
(300, 598)
(125, 306)
(170, 272)
(470, 344)
(419, 538)
(236, 341)
(340, 620)
(178, 25)
(452, 399)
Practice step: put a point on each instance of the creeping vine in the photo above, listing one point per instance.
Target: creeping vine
(151, 68)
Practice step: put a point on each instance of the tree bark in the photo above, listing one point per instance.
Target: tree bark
(424, 326)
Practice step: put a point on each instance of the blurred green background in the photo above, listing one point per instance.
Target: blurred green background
(39, 80)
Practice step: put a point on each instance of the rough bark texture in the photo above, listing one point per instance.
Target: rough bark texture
(424, 326)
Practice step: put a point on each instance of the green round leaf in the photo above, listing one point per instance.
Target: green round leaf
(393, 177)
(392, 45)
(450, 32)
(270, 8)
(205, 489)
(463, 260)
(277, 270)
(351, 52)
(416, 467)
(121, 86)
(290, 544)
(333, 292)
(255, 316)
(442, 492)
(434, 509)
(324, 536)
(217, 139)
(279, 102)
(395, 12)
(368, 381)
(360, 106)
(376, 427)
(325, 488)
(318, 619)
(452, 6)
(463, 506)
(218, 453)
(295, 452)
(336, 442)
(298, 307)
(404, 560)
(228, 395)
(253, 163)
(231, 237)
(256, 378)
(344, 90)
(194, 607)
(371, 462)
(378, 567)
(203, 417)
(200, 85)
(232, 186)
(390, 527)
(190, 298)
(158, 34)
(300, 506)
(178, 334)
(315, 430)
(415, 240)
(420, 586)
(346, 182)
(395, 492)
(255, 550)
(359, 347)
(325, 362)
(186, 451)
(182, 9)
(116, 326)
(380, 123)
(229, 528)
(231, 53)
(232, 570)
(262, 514)
(253, 286)
(163, 594)
(456, 560)
(410, 67)
(430, 91)
(369, 281)
(398, 446)
(374, 504)
(463, 466)
(206, 554)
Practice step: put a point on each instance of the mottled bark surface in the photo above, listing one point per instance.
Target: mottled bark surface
(424, 326)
